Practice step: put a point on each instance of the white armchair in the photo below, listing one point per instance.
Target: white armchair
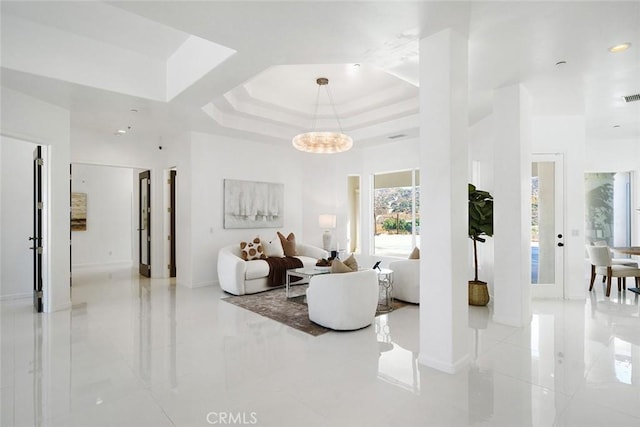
(406, 280)
(344, 301)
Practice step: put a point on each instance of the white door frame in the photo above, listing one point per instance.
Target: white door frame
(554, 290)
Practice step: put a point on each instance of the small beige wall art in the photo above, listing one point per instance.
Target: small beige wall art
(78, 211)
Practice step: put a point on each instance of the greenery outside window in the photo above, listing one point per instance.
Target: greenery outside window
(608, 208)
(396, 207)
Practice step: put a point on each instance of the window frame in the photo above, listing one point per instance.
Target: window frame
(415, 211)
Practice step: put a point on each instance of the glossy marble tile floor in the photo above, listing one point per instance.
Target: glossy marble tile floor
(140, 352)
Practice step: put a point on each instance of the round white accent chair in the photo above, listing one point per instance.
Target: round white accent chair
(406, 280)
(343, 301)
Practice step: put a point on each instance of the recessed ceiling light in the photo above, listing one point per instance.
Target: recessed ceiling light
(120, 132)
(620, 47)
(616, 126)
(356, 65)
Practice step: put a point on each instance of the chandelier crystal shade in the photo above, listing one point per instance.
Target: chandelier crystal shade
(323, 142)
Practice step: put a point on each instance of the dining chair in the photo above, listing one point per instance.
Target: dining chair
(615, 261)
(601, 263)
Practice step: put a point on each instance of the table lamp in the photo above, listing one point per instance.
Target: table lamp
(327, 221)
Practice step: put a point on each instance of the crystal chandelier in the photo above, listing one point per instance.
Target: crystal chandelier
(323, 142)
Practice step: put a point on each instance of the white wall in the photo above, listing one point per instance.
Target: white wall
(30, 119)
(567, 135)
(108, 237)
(325, 178)
(16, 172)
(139, 152)
(481, 153)
(201, 166)
(241, 160)
(314, 184)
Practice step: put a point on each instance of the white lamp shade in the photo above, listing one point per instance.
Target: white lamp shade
(327, 221)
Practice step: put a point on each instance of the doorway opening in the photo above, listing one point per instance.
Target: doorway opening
(106, 233)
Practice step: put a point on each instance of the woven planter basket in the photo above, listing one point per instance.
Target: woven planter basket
(478, 293)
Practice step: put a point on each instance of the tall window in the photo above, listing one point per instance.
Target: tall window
(353, 228)
(608, 208)
(396, 207)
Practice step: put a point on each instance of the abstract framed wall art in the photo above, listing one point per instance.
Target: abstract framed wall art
(251, 204)
(78, 211)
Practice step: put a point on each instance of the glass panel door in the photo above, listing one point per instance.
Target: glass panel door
(608, 208)
(172, 223)
(547, 234)
(37, 238)
(144, 225)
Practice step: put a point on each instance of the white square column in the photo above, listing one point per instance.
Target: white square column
(444, 332)
(512, 206)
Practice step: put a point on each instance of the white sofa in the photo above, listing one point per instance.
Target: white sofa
(240, 277)
(406, 280)
(343, 301)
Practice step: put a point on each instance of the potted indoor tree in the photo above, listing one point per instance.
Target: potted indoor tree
(480, 224)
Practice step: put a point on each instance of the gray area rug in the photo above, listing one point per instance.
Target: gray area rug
(292, 312)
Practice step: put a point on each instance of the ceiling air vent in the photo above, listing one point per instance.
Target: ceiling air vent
(400, 135)
(632, 98)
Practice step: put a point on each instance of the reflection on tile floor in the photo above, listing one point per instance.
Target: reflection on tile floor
(138, 352)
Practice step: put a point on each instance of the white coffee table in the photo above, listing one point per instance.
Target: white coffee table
(304, 273)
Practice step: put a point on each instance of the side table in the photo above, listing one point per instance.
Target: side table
(385, 282)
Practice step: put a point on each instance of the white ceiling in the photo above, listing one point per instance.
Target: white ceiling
(100, 60)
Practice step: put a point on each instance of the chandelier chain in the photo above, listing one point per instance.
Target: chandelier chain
(315, 111)
(333, 107)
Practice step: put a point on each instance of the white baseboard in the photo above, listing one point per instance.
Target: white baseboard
(61, 307)
(449, 368)
(16, 296)
(102, 265)
(509, 321)
(204, 284)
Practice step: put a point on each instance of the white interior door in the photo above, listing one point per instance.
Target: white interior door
(547, 226)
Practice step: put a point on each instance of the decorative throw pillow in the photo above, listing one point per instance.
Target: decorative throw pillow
(273, 248)
(415, 253)
(288, 244)
(351, 263)
(323, 263)
(252, 250)
(338, 266)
